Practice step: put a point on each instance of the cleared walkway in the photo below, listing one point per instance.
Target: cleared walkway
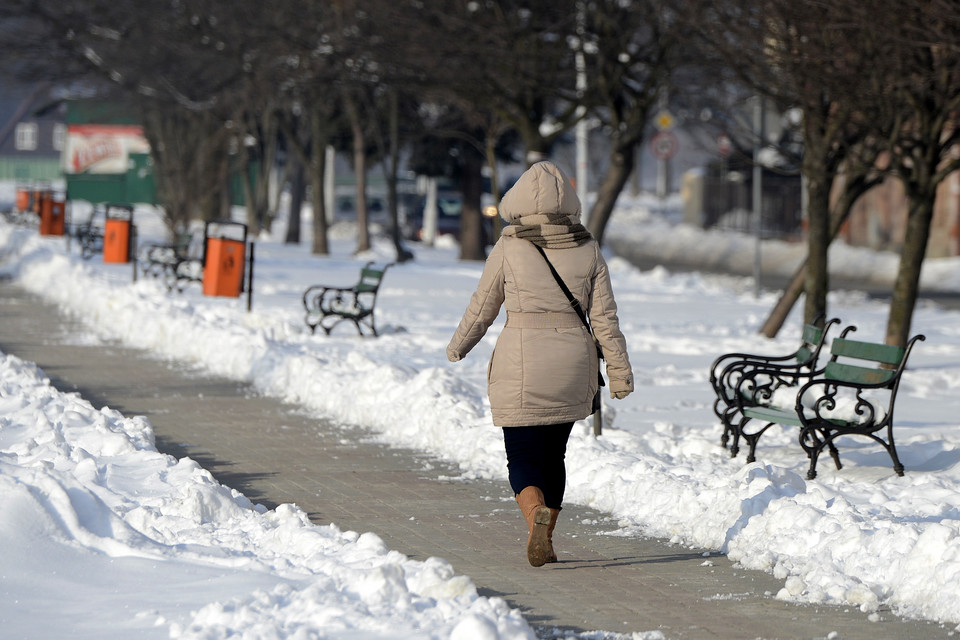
(275, 454)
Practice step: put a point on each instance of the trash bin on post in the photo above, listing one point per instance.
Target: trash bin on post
(24, 199)
(52, 215)
(117, 232)
(224, 258)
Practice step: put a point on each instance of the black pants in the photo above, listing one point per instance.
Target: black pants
(535, 459)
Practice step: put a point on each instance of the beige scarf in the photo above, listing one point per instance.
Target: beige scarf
(549, 230)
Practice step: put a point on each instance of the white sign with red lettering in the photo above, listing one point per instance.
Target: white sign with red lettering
(102, 148)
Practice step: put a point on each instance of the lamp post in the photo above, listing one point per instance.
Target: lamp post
(581, 128)
(758, 117)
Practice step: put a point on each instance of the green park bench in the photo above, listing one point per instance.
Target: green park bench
(735, 387)
(327, 305)
(169, 261)
(853, 396)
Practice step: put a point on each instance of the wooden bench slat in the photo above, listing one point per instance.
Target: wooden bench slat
(858, 375)
(773, 414)
(812, 334)
(872, 351)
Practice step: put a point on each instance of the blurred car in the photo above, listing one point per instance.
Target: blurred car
(449, 210)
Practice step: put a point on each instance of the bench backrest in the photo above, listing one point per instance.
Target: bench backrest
(182, 241)
(812, 341)
(370, 278)
(873, 363)
(813, 338)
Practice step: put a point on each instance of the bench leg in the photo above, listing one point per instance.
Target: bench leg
(366, 321)
(725, 437)
(834, 453)
(735, 445)
(892, 449)
(752, 439)
(727, 417)
(813, 441)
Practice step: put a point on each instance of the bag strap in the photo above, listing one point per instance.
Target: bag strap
(576, 307)
(573, 301)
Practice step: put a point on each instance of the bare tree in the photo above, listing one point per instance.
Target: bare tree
(190, 152)
(167, 58)
(818, 58)
(631, 50)
(924, 86)
(862, 175)
(484, 68)
(311, 111)
(908, 99)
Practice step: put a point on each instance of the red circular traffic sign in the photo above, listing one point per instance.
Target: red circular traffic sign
(724, 145)
(664, 145)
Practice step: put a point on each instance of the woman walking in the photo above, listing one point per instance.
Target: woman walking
(542, 376)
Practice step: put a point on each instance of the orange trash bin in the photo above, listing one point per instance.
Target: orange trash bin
(117, 233)
(24, 199)
(224, 258)
(52, 216)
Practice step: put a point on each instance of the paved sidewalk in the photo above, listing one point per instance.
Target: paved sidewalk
(275, 454)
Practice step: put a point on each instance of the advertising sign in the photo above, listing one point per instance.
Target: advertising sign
(102, 148)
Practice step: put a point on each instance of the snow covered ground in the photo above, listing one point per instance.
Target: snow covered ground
(142, 542)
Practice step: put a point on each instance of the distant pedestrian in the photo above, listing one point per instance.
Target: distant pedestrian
(543, 374)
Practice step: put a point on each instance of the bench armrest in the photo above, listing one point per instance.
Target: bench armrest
(757, 385)
(838, 401)
(728, 360)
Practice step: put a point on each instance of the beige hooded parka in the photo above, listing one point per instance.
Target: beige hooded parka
(544, 366)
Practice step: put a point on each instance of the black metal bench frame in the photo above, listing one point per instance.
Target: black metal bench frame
(327, 306)
(854, 368)
(172, 262)
(790, 370)
(90, 234)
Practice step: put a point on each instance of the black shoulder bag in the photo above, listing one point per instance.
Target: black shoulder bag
(583, 318)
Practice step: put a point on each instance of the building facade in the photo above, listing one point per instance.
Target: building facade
(32, 134)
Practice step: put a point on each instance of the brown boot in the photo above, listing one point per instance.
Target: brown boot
(554, 514)
(537, 516)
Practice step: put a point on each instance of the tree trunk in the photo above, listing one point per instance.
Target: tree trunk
(318, 170)
(855, 186)
(298, 185)
(816, 283)
(403, 254)
(490, 151)
(472, 241)
(253, 224)
(907, 286)
(359, 171)
(793, 290)
(788, 298)
(621, 166)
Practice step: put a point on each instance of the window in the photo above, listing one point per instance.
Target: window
(26, 136)
(59, 136)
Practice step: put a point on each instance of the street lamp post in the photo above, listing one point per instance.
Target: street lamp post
(757, 192)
